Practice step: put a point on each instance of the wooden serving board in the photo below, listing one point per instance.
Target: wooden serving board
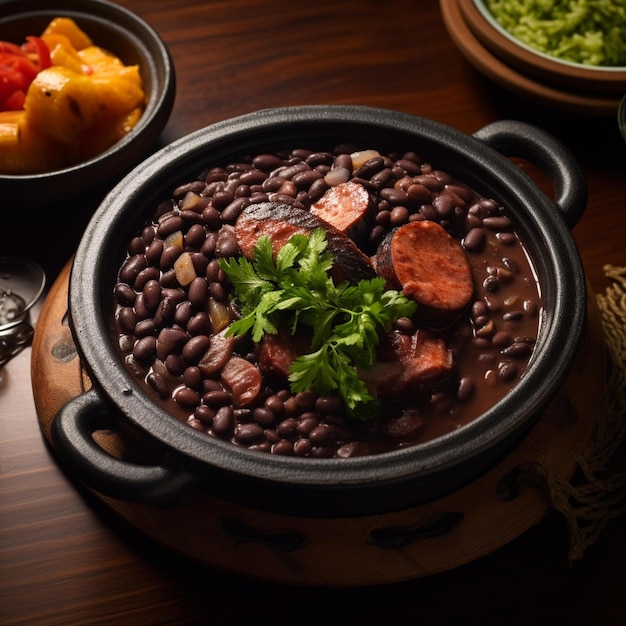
(403, 545)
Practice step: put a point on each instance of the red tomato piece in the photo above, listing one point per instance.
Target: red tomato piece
(18, 67)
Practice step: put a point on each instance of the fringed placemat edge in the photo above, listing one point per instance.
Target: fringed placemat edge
(597, 493)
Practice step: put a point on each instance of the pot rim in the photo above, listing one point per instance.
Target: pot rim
(475, 161)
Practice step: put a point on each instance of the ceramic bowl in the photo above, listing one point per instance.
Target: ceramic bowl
(313, 486)
(547, 68)
(135, 42)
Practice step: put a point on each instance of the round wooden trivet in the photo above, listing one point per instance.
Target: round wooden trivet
(431, 538)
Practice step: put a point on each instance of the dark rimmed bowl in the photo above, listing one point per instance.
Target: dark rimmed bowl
(320, 487)
(134, 41)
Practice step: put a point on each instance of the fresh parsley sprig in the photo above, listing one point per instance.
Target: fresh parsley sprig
(295, 289)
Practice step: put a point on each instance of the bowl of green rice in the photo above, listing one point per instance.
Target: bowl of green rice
(579, 44)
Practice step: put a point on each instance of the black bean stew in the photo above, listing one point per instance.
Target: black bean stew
(174, 303)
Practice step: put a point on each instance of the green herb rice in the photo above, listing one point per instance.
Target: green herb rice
(590, 32)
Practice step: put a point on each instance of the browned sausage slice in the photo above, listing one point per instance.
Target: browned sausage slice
(428, 265)
(347, 207)
(281, 221)
(409, 363)
(243, 379)
(277, 352)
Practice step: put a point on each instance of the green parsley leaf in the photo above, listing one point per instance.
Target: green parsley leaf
(295, 290)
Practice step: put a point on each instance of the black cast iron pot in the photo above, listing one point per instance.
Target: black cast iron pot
(366, 485)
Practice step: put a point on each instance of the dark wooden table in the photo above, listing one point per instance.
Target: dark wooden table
(66, 560)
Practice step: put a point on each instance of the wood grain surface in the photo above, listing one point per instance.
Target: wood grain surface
(66, 559)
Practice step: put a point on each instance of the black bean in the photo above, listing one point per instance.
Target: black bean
(382, 178)
(152, 294)
(124, 294)
(317, 189)
(215, 174)
(169, 224)
(328, 404)
(302, 447)
(530, 306)
(248, 433)
(164, 315)
(198, 292)
(432, 183)
(217, 397)
(288, 428)
(226, 245)
(205, 414)
(507, 239)
(507, 370)
(307, 423)
(127, 319)
(306, 399)
(499, 223)
(224, 421)
(232, 211)
(158, 383)
(517, 350)
(175, 364)
(399, 215)
(170, 340)
(491, 284)
(264, 416)
(136, 246)
(343, 161)
(145, 348)
(465, 389)
(444, 205)
(195, 348)
(321, 434)
(196, 186)
(463, 192)
(474, 240)
(186, 398)
(283, 447)
(267, 162)
(370, 167)
(154, 251)
(144, 328)
(131, 268)
(192, 377)
(410, 166)
(183, 313)
(169, 256)
(275, 404)
(252, 177)
(394, 196)
(199, 324)
(304, 180)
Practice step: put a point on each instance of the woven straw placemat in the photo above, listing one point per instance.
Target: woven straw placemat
(596, 493)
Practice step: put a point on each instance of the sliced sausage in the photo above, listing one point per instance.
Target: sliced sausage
(281, 221)
(409, 364)
(348, 208)
(429, 266)
(243, 379)
(277, 352)
(218, 353)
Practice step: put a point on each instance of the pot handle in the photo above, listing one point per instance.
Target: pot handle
(519, 139)
(71, 433)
